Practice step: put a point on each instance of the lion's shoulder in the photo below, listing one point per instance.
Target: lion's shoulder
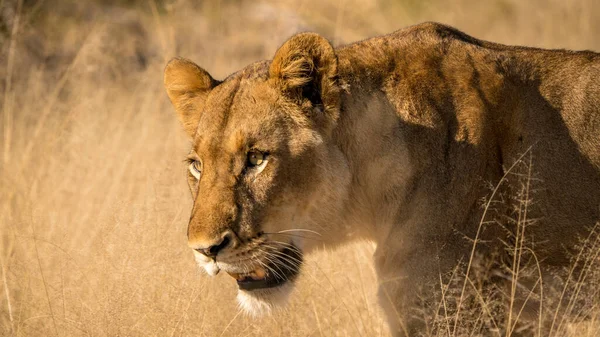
(425, 49)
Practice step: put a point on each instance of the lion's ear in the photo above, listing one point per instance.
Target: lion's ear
(188, 86)
(305, 69)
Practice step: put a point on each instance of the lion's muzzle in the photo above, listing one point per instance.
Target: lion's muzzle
(282, 266)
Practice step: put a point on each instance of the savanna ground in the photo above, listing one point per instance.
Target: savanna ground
(93, 199)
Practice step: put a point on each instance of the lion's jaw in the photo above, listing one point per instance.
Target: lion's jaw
(265, 276)
(263, 302)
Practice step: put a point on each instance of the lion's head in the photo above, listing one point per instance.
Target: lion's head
(266, 179)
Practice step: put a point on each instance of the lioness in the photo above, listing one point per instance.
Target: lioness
(392, 140)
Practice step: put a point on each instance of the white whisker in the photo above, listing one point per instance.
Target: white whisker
(300, 230)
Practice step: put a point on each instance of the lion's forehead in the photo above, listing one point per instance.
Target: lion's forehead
(218, 107)
(237, 111)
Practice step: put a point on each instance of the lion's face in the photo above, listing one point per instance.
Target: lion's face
(266, 179)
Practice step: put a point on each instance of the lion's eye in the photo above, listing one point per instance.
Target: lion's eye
(255, 158)
(196, 169)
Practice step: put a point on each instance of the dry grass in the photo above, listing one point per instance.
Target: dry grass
(93, 201)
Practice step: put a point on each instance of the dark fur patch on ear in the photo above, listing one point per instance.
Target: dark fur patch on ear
(305, 69)
(297, 70)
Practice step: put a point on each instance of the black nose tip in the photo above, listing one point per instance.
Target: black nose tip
(213, 250)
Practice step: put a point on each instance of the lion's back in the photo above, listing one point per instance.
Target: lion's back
(471, 108)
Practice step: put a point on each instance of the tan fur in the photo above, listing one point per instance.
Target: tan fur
(187, 86)
(392, 139)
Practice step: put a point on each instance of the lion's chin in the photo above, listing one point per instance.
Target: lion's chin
(263, 301)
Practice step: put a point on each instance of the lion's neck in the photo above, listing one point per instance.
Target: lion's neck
(377, 156)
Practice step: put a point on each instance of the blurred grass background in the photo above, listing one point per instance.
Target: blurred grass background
(93, 199)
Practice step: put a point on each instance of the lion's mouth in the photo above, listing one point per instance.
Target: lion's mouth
(283, 266)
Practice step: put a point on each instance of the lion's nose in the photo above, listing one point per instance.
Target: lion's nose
(212, 249)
